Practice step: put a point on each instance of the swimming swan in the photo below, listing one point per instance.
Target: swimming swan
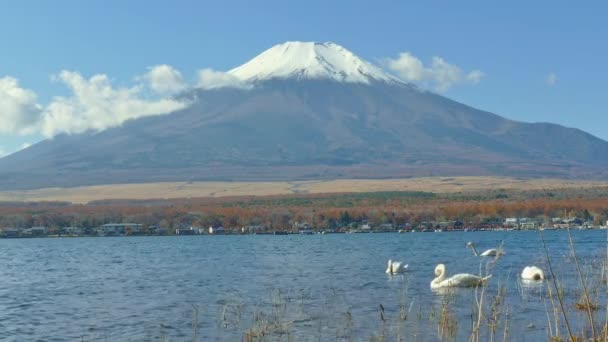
(395, 267)
(532, 273)
(457, 280)
(489, 252)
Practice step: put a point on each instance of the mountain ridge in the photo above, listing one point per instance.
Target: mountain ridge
(310, 60)
(313, 127)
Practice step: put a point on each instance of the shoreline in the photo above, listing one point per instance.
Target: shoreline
(281, 233)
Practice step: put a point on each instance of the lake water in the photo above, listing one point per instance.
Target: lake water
(298, 287)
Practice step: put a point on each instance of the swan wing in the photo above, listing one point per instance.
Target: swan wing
(532, 273)
(465, 280)
(397, 267)
(490, 252)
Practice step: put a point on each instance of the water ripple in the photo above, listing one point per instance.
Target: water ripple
(315, 287)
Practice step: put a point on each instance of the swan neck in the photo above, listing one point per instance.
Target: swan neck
(474, 250)
(439, 278)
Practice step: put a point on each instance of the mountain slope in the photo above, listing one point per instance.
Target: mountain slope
(309, 125)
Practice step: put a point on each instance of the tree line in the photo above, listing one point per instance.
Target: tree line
(322, 211)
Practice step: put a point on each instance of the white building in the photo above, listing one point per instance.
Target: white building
(216, 230)
(118, 228)
(35, 231)
(528, 225)
(386, 227)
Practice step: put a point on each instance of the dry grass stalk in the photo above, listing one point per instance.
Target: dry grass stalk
(587, 305)
(554, 281)
(448, 324)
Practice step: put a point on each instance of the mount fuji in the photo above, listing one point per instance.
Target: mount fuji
(308, 111)
(308, 60)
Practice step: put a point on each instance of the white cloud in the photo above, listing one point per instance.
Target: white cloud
(209, 79)
(440, 75)
(164, 79)
(552, 79)
(95, 105)
(475, 76)
(24, 146)
(19, 111)
(408, 66)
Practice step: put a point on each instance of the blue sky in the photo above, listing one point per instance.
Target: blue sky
(517, 45)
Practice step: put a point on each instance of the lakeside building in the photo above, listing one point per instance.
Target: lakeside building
(529, 225)
(156, 230)
(186, 231)
(35, 231)
(253, 229)
(72, 231)
(366, 227)
(113, 229)
(11, 232)
(362, 226)
(563, 223)
(216, 230)
(386, 227)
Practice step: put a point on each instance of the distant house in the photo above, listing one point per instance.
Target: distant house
(72, 230)
(113, 229)
(11, 232)
(301, 226)
(404, 227)
(365, 227)
(512, 221)
(588, 224)
(442, 225)
(528, 225)
(186, 231)
(36, 231)
(576, 222)
(216, 230)
(424, 226)
(252, 229)
(385, 227)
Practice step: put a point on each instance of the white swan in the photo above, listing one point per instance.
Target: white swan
(532, 273)
(457, 280)
(395, 267)
(489, 252)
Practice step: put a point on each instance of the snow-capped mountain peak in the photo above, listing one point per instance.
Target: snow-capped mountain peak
(310, 60)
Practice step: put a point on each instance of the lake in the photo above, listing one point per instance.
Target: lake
(294, 287)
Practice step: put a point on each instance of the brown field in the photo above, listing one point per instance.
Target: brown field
(223, 189)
